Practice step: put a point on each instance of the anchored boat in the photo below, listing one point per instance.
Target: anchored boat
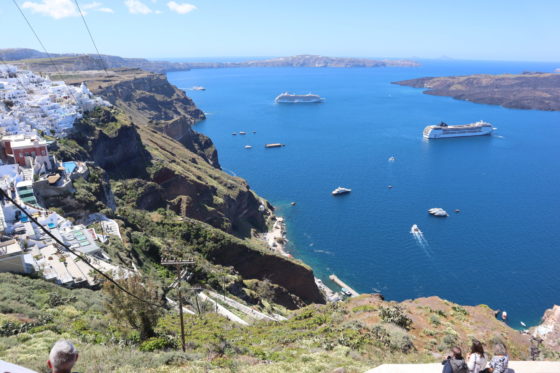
(340, 190)
(443, 130)
(289, 98)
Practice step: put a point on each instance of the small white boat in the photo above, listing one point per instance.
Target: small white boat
(248, 147)
(391, 159)
(340, 190)
(198, 88)
(414, 229)
(523, 324)
(504, 315)
(242, 132)
(438, 211)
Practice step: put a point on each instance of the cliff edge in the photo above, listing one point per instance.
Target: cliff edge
(535, 91)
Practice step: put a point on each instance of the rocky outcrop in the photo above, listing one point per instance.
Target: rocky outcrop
(549, 329)
(150, 100)
(296, 278)
(536, 91)
(122, 155)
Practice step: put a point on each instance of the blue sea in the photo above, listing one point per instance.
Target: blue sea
(502, 249)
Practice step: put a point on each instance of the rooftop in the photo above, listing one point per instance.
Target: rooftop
(10, 247)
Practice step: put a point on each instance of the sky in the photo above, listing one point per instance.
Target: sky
(516, 30)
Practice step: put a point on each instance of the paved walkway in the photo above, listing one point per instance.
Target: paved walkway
(222, 310)
(515, 367)
(245, 309)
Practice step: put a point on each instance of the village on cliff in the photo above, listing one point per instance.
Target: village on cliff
(33, 111)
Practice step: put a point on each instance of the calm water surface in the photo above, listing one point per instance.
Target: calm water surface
(502, 249)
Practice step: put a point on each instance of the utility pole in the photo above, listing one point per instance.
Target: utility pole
(179, 264)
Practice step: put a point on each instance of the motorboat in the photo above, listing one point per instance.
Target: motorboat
(340, 190)
(438, 211)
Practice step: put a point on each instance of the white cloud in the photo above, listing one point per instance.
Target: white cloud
(92, 5)
(183, 8)
(137, 7)
(53, 8)
(97, 6)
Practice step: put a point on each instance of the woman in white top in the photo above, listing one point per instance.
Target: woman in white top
(476, 361)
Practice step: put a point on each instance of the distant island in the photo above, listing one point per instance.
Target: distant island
(308, 60)
(534, 91)
(39, 61)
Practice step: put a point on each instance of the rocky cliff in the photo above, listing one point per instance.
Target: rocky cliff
(153, 159)
(549, 329)
(150, 100)
(537, 91)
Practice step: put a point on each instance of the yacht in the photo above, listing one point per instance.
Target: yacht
(415, 230)
(341, 190)
(444, 130)
(198, 88)
(438, 211)
(289, 98)
(248, 147)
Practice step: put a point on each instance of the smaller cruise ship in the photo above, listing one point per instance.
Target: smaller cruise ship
(443, 130)
(341, 190)
(289, 98)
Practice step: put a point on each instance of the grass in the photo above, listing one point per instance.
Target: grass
(314, 339)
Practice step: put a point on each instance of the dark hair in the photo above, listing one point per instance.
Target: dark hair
(477, 347)
(457, 353)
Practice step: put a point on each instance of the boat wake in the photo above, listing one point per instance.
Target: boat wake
(420, 239)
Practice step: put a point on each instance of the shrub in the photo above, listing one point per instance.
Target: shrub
(363, 308)
(429, 332)
(395, 315)
(459, 310)
(156, 343)
(393, 337)
(448, 341)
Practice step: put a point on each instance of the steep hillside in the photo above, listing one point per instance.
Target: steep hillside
(150, 100)
(137, 168)
(356, 335)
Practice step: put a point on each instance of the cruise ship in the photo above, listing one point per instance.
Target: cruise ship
(288, 98)
(444, 130)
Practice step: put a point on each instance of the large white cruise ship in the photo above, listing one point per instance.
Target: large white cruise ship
(444, 130)
(288, 98)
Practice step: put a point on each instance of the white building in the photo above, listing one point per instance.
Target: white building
(31, 102)
(12, 257)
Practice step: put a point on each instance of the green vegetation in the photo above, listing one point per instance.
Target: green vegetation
(395, 315)
(35, 313)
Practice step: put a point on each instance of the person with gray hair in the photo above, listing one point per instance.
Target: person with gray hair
(63, 356)
(499, 363)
